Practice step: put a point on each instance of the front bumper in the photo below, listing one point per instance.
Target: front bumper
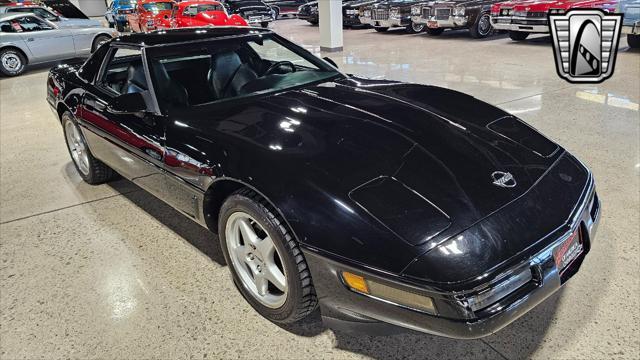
(523, 24)
(386, 23)
(347, 310)
(259, 19)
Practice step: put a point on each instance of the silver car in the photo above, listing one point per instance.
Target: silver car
(48, 14)
(28, 39)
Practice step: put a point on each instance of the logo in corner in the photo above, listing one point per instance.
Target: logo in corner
(585, 43)
(503, 179)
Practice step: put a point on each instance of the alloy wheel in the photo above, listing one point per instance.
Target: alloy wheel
(256, 260)
(484, 25)
(11, 62)
(77, 147)
(417, 27)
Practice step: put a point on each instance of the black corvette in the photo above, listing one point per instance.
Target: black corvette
(383, 202)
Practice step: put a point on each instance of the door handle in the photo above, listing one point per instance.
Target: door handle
(30, 39)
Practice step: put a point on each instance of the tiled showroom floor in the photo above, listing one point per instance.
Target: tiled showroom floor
(110, 272)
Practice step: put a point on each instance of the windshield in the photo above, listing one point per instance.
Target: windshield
(190, 75)
(159, 6)
(40, 12)
(125, 2)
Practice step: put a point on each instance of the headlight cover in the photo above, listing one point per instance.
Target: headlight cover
(500, 290)
(396, 296)
(394, 13)
(367, 13)
(458, 11)
(415, 10)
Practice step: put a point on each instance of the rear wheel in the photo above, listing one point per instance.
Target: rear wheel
(518, 35)
(92, 170)
(436, 31)
(99, 40)
(482, 28)
(12, 62)
(264, 259)
(633, 40)
(415, 28)
(381, 29)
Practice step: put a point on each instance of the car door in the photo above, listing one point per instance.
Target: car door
(45, 41)
(131, 144)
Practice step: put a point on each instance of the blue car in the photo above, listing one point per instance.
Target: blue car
(631, 21)
(118, 11)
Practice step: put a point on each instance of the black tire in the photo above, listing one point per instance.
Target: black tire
(414, 28)
(381, 29)
(518, 35)
(120, 27)
(264, 24)
(435, 32)
(112, 25)
(314, 23)
(99, 40)
(633, 40)
(482, 27)
(301, 297)
(98, 172)
(15, 60)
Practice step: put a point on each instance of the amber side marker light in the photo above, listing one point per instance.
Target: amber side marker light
(390, 294)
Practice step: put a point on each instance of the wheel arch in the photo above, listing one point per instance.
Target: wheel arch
(224, 187)
(95, 37)
(17, 48)
(60, 109)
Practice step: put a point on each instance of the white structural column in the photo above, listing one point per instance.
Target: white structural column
(330, 12)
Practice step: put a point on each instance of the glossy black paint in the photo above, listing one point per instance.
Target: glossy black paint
(247, 8)
(352, 146)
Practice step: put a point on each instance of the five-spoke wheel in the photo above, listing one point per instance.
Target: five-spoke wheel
(264, 258)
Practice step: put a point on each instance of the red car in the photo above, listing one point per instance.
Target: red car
(151, 15)
(203, 13)
(522, 18)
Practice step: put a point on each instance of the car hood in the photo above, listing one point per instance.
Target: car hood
(78, 23)
(247, 5)
(409, 166)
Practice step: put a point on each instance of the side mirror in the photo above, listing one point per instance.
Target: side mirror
(328, 59)
(133, 103)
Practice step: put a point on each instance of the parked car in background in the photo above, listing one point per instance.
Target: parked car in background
(26, 39)
(203, 13)
(309, 12)
(151, 15)
(350, 12)
(253, 11)
(631, 21)
(118, 12)
(390, 14)
(285, 7)
(437, 16)
(48, 14)
(522, 18)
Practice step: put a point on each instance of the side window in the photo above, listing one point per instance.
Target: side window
(124, 73)
(190, 11)
(30, 23)
(7, 27)
(43, 13)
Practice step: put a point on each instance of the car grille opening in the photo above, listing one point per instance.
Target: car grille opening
(443, 14)
(380, 14)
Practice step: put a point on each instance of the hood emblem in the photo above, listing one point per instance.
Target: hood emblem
(503, 179)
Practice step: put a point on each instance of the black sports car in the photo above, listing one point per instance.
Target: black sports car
(384, 202)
